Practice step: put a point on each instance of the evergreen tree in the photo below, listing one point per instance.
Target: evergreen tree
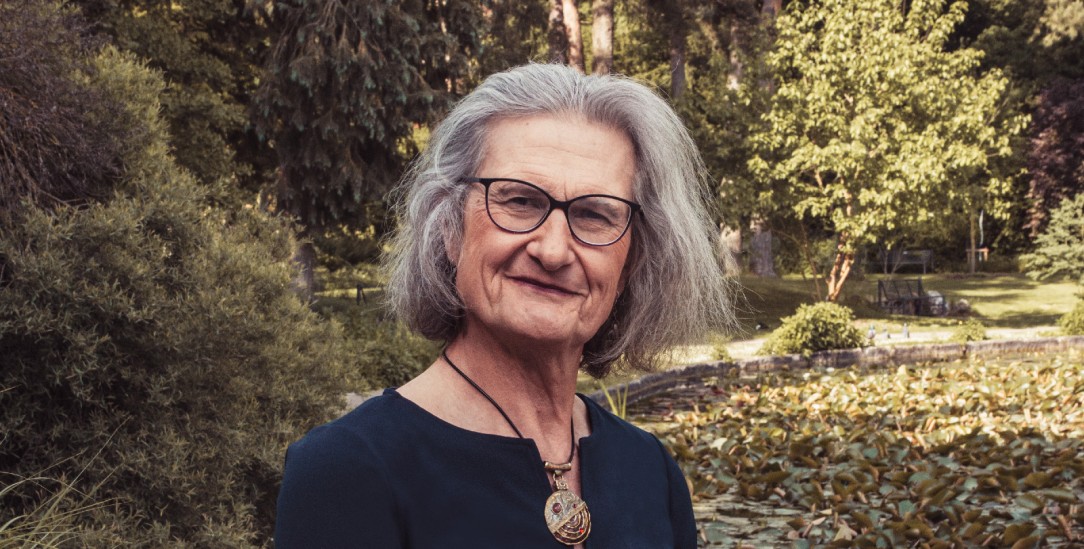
(346, 86)
(1059, 250)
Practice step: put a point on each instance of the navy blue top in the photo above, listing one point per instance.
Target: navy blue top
(390, 474)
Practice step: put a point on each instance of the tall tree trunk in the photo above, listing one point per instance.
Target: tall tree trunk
(771, 8)
(734, 75)
(557, 38)
(676, 28)
(677, 62)
(602, 36)
(730, 247)
(575, 37)
(841, 267)
(304, 283)
(972, 251)
(761, 261)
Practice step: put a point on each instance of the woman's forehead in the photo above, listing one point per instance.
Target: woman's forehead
(560, 154)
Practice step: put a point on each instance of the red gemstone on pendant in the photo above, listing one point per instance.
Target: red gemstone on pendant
(557, 508)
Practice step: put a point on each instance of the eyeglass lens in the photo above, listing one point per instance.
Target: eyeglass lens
(519, 207)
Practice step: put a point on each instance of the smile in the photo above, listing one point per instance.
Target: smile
(544, 286)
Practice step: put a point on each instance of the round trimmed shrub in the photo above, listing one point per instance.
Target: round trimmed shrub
(969, 330)
(819, 327)
(1072, 323)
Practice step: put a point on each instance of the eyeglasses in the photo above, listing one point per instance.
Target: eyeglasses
(521, 207)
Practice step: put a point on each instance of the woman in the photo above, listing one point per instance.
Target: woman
(554, 223)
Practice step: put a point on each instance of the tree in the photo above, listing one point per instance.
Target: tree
(514, 32)
(558, 36)
(152, 358)
(209, 52)
(602, 36)
(60, 139)
(874, 124)
(575, 36)
(1059, 250)
(346, 86)
(1056, 152)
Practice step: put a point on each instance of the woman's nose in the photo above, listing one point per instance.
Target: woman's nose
(552, 242)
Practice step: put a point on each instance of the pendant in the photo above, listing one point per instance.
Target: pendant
(566, 514)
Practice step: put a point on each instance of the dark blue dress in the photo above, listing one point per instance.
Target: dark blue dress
(390, 474)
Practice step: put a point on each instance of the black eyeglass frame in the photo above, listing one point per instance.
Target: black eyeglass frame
(555, 204)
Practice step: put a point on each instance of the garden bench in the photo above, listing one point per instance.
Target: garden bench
(907, 296)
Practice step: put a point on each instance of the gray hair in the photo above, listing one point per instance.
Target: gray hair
(677, 289)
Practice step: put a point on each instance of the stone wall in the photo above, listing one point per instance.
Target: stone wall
(653, 384)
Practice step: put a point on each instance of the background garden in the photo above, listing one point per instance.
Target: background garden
(193, 195)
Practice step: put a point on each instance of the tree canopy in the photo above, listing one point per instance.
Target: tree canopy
(876, 125)
(346, 86)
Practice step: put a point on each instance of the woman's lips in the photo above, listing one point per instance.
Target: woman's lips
(546, 286)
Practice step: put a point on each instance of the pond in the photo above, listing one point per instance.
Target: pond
(965, 453)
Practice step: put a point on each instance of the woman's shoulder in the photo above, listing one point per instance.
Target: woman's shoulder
(610, 429)
(376, 423)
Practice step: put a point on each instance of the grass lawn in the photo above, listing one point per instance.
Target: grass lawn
(998, 300)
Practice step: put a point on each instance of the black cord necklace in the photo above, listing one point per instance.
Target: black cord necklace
(566, 514)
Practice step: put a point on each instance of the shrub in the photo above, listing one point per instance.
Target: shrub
(384, 352)
(819, 327)
(969, 330)
(1072, 323)
(153, 354)
(719, 350)
(59, 137)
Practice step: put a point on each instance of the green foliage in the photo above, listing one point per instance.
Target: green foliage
(343, 248)
(154, 355)
(926, 455)
(384, 353)
(617, 401)
(59, 136)
(819, 327)
(968, 330)
(719, 351)
(1072, 323)
(1059, 251)
(876, 126)
(209, 52)
(345, 86)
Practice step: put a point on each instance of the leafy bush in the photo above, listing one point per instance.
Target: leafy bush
(968, 330)
(384, 352)
(60, 137)
(719, 350)
(1072, 323)
(153, 354)
(818, 327)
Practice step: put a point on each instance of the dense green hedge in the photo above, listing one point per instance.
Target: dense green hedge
(818, 327)
(1072, 323)
(154, 357)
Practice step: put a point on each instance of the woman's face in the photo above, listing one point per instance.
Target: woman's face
(544, 287)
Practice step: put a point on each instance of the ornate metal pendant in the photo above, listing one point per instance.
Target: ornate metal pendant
(566, 514)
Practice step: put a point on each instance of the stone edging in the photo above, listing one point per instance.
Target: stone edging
(653, 384)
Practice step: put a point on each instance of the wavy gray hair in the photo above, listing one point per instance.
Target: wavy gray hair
(677, 288)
